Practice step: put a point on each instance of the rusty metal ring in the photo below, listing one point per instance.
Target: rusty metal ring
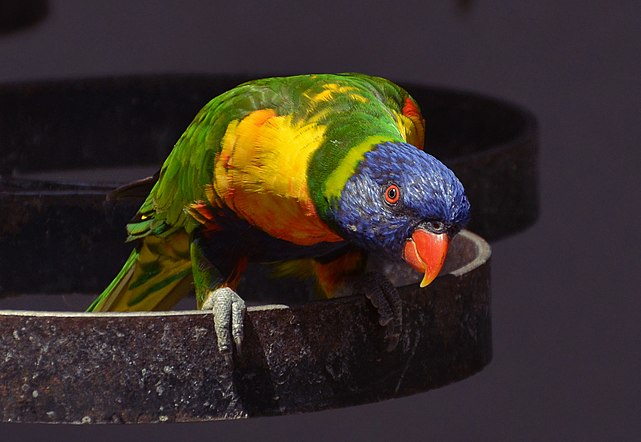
(157, 367)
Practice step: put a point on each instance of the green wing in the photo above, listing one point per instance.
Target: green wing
(353, 107)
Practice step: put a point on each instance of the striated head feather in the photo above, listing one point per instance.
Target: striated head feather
(395, 189)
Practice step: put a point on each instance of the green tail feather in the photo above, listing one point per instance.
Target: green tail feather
(155, 277)
(122, 278)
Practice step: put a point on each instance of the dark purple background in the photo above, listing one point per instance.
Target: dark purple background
(566, 309)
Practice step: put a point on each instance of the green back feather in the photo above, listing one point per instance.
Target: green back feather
(351, 122)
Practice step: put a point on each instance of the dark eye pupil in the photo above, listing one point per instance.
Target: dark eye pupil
(437, 226)
(392, 194)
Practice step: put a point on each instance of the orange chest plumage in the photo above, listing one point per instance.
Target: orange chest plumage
(260, 174)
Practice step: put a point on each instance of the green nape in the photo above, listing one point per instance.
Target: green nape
(348, 137)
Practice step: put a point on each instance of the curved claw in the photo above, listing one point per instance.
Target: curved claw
(229, 312)
(385, 299)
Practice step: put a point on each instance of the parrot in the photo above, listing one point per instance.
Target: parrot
(313, 173)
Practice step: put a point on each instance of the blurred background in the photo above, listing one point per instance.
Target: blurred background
(566, 310)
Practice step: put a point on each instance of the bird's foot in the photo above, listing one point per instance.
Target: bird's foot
(385, 299)
(229, 312)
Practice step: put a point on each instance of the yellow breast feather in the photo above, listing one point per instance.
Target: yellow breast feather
(261, 174)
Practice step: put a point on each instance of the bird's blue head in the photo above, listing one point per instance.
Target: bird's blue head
(403, 202)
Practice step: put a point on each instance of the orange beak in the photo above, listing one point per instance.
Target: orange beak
(425, 252)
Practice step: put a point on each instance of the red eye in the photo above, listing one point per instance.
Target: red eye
(392, 194)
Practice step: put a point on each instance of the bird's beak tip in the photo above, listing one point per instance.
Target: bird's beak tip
(425, 252)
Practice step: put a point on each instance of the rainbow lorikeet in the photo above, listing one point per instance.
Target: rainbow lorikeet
(315, 171)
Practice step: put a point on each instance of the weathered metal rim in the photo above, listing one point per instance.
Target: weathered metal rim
(164, 367)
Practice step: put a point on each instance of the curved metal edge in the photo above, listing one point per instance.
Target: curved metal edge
(115, 368)
(482, 253)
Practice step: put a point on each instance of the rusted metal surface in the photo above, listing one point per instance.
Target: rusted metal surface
(157, 367)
